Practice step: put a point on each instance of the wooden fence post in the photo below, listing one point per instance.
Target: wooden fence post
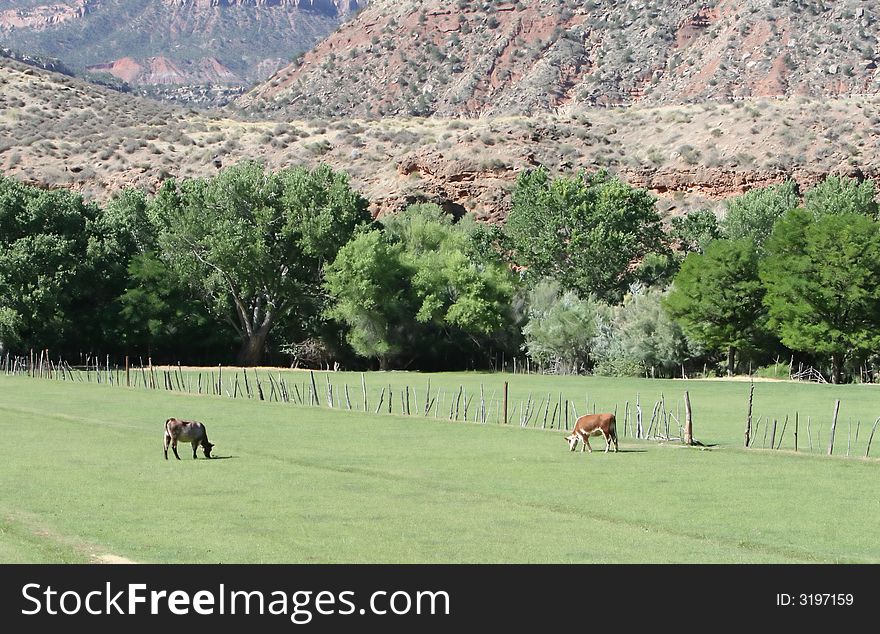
(364, 388)
(748, 433)
(833, 427)
(259, 385)
(314, 394)
(504, 414)
(688, 422)
(782, 435)
(638, 416)
(381, 398)
(871, 437)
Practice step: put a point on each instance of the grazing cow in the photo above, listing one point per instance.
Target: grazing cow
(604, 425)
(187, 431)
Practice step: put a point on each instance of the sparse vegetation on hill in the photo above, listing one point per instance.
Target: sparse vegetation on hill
(257, 37)
(431, 57)
(59, 131)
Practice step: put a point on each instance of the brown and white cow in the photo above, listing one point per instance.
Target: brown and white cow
(186, 431)
(604, 425)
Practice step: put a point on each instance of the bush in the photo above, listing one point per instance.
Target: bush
(561, 328)
(774, 371)
(620, 367)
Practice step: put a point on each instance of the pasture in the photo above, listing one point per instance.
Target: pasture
(84, 478)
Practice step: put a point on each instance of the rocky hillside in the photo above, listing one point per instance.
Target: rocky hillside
(495, 57)
(179, 42)
(58, 131)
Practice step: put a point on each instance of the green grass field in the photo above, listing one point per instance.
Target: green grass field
(84, 478)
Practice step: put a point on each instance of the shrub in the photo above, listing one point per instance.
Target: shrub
(619, 366)
(775, 371)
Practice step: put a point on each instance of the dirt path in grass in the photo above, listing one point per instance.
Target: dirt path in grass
(112, 559)
(29, 528)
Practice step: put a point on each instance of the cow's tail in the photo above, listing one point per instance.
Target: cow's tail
(612, 430)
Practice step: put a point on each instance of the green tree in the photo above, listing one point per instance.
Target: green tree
(419, 286)
(254, 244)
(717, 297)
(10, 328)
(585, 231)
(560, 329)
(369, 285)
(693, 232)
(454, 282)
(159, 317)
(125, 223)
(841, 195)
(752, 215)
(51, 258)
(823, 284)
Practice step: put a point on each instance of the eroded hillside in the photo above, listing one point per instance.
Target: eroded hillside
(498, 57)
(59, 131)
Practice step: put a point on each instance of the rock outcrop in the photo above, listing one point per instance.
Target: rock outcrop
(161, 71)
(41, 17)
(403, 57)
(333, 7)
(174, 42)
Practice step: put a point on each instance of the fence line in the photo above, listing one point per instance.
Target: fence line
(462, 406)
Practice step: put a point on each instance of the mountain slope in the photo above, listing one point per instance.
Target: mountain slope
(525, 56)
(245, 39)
(60, 131)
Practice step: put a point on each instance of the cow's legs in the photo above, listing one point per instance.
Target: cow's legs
(165, 445)
(195, 445)
(174, 448)
(607, 438)
(586, 439)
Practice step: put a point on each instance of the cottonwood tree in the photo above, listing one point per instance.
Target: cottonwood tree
(57, 278)
(823, 285)
(160, 317)
(254, 243)
(695, 231)
(753, 214)
(841, 195)
(584, 231)
(419, 286)
(369, 287)
(717, 297)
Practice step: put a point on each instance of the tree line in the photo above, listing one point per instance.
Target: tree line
(255, 266)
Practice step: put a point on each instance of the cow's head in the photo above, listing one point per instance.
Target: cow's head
(207, 447)
(572, 441)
